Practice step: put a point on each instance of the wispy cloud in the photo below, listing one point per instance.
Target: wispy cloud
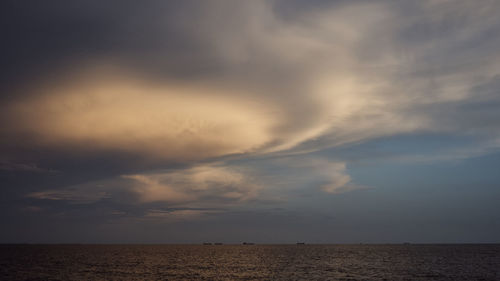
(178, 215)
(328, 175)
(205, 184)
(24, 167)
(72, 195)
(202, 186)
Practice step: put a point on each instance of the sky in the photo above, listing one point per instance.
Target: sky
(275, 121)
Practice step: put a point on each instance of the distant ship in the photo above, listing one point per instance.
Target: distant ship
(217, 243)
(246, 243)
(301, 243)
(206, 243)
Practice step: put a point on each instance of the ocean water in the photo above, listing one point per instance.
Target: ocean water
(250, 262)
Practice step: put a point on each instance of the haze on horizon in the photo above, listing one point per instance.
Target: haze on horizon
(262, 121)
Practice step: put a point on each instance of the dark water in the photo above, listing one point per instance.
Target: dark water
(251, 262)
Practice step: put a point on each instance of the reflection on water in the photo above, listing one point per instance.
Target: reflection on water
(255, 262)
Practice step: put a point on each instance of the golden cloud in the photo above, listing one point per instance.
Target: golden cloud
(164, 121)
(223, 184)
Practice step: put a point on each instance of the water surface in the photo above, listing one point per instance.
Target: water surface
(250, 262)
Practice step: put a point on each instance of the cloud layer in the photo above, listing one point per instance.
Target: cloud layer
(202, 186)
(328, 77)
(159, 105)
(157, 121)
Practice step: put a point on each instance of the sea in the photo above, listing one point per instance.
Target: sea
(250, 262)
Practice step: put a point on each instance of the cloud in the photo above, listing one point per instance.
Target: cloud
(174, 195)
(76, 195)
(201, 186)
(197, 185)
(276, 85)
(251, 80)
(177, 215)
(158, 121)
(338, 178)
(340, 75)
(333, 173)
(298, 173)
(177, 111)
(23, 167)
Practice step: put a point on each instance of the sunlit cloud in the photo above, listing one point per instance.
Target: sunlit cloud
(262, 114)
(201, 186)
(331, 77)
(261, 84)
(157, 121)
(220, 184)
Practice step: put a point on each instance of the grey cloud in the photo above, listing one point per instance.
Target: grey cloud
(202, 186)
(24, 167)
(307, 78)
(404, 57)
